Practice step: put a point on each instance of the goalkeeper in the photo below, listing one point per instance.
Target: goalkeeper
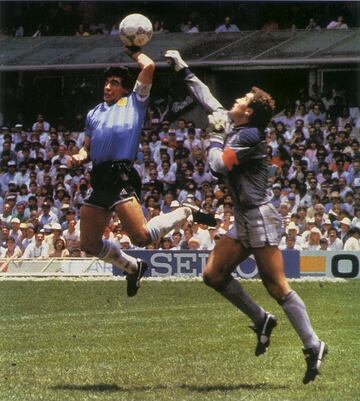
(238, 154)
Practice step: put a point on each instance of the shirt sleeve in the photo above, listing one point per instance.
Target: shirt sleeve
(200, 91)
(88, 125)
(142, 90)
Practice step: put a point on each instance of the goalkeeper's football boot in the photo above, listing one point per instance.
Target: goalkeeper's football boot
(200, 217)
(133, 280)
(314, 359)
(263, 333)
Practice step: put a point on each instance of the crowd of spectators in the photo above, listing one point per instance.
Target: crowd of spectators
(314, 181)
(190, 26)
(97, 18)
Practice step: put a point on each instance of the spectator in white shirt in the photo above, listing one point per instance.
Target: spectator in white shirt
(190, 27)
(40, 123)
(12, 250)
(181, 130)
(176, 239)
(22, 176)
(166, 176)
(47, 216)
(290, 244)
(191, 142)
(62, 156)
(338, 24)
(38, 249)
(9, 176)
(313, 243)
(292, 230)
(352, 243)
(335, 243)
(324, 244)
(200, 175)
(72, 235)
(29, 236)
(227, 26)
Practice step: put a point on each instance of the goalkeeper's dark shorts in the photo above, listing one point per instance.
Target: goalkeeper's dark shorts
(113, 182)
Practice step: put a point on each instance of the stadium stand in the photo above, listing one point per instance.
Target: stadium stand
(313, 140)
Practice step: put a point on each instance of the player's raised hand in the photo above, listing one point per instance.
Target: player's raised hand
(131, 50)
(175, 59)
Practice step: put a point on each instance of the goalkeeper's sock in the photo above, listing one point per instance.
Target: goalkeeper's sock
(295, 311)
(235, 293)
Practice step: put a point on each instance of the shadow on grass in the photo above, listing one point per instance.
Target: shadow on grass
(104, 388)
(113, 388)
(100, 387)
(230, 387)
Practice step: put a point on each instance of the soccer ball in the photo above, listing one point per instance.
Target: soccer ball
(135, 30)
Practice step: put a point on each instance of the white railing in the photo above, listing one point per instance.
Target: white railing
(54, 267)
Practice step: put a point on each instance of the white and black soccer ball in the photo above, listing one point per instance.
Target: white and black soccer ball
(135, 30)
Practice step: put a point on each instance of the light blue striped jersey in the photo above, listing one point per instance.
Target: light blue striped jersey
(115, 130)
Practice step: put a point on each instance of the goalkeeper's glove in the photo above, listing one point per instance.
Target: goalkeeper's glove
(218, 122)
(176, 59)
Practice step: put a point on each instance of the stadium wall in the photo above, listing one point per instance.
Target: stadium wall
(190, 264)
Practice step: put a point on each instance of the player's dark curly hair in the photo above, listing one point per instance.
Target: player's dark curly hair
(121, 72)
(263, 106)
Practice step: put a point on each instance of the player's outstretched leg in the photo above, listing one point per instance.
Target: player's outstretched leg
(200, 217)
(160, 225)
(314, 358)
(263, 333)
(133, 280)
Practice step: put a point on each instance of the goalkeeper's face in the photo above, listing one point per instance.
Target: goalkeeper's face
(113, 89)
(241, 108)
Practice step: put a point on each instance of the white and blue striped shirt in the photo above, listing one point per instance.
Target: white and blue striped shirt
(115, 130)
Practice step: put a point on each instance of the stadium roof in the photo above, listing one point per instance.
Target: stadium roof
(247, 49)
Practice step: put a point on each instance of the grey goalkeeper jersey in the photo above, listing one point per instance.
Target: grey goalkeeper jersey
(242, 159)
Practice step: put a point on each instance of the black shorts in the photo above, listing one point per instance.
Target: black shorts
(113, 182)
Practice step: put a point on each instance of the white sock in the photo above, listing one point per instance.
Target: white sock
(111, 253)
(161, 225)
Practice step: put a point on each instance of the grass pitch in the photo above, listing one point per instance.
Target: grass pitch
(63, 340)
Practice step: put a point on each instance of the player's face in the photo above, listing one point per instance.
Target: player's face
(113, 89)
(241, 107)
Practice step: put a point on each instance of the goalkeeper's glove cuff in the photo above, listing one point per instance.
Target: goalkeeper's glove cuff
(185, 73)
(217, 139)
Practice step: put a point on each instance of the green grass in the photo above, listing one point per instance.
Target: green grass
(63, 340)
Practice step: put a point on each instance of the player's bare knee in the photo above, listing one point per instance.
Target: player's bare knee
(88, 250)
(275, 290)
(213, 280)
(140, 238)
(91, 247)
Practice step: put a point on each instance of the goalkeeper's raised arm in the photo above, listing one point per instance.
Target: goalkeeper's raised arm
(197, 88)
